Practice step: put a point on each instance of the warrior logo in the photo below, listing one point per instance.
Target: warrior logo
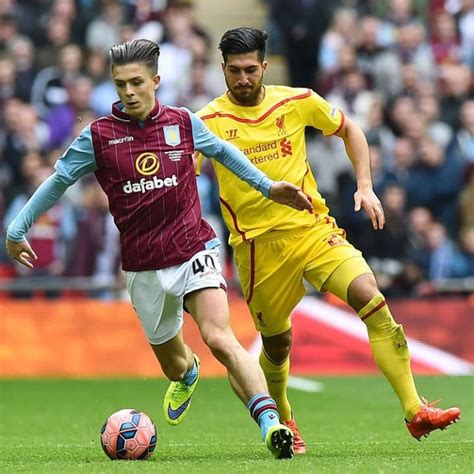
(232, 134)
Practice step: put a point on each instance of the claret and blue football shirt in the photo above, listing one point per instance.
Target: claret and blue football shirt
(146, 169)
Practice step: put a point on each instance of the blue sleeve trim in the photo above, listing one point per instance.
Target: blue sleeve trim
(212, 244)
(229, 156)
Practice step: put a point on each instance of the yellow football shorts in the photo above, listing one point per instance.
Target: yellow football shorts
(272, 268)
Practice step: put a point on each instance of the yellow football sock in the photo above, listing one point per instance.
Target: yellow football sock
(390, 352)
(277, 380)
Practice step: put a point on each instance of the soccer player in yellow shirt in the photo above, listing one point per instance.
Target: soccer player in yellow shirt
(276, 248)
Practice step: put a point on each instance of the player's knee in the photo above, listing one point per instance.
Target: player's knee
(361, 291)
(220, 343)
(278, 347)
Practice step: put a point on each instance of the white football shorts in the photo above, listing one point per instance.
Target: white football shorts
(157, 295)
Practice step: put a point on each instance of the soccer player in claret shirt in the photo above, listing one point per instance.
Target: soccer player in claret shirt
(276, 248)
(142, 156)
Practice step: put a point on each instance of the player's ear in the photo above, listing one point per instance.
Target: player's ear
(223, 65)
(264, 65)
(156, 81)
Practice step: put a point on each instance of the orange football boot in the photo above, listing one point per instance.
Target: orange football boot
(431, 418)
(299, 446)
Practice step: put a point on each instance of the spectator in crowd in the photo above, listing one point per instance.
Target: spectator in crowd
(439, 131)
(8, 28)
(104, 31)
(58, 35)
(353, 97)
(461, 146)
(411, 48)
(339, 34)
(301, 25)
(387, 248)
(445, 259)
(24, 132)
(7, 80)
(457, 82)
(332, 79)
(103, 90)
(399, 112)
(183, 39)
(378, 132)
(61, 118)
(445, 40)
(49, 87)
(376, 60)
(436, 183)
(23, 52)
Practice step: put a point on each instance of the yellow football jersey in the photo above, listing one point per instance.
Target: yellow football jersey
(272, 136)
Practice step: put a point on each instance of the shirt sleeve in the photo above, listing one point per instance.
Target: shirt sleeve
(229, 156)
(79, 159)
(76, 161)
(320, 114)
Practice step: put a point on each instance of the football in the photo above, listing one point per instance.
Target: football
(128, 434)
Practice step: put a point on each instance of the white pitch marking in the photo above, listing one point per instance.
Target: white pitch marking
(349, 323)
(305, 385)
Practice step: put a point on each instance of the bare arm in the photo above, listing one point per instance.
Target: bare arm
(358, 151)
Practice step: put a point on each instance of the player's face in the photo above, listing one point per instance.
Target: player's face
(244, 76)
(136, 86)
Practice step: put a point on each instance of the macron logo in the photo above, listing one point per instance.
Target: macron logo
(149, 184)
(120, 140)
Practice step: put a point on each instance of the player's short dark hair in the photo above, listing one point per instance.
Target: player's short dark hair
(137, 51)
(243, 40)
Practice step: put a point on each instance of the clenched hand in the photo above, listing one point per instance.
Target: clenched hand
(21, 252)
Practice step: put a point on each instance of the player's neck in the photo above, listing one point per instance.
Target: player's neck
(257, 101)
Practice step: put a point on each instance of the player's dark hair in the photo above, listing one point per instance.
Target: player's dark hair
(243, 40)
(136, 51)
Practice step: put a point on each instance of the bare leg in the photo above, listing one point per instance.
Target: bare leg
(210, 310)
(174, 356)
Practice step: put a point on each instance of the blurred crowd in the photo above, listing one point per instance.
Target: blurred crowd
(402, 69)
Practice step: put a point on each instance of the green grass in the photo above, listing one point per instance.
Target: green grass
(354, 425)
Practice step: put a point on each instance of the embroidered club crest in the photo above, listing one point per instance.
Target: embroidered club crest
(172, 135)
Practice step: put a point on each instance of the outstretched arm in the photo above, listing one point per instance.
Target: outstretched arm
(78, 160)
(232, 158)
(358, 151)
(43, 199)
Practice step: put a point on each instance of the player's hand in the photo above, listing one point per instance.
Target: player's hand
(291, 195)
(366, 199)
(21, 252)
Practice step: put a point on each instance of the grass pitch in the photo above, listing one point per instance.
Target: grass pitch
(354, 426)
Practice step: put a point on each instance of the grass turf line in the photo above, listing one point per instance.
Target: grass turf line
(354, 426)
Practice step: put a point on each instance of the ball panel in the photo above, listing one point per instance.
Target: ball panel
(128, 434)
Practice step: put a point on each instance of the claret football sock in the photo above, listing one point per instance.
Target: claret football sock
(277, 381)
(263, 410)
(390, 352)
